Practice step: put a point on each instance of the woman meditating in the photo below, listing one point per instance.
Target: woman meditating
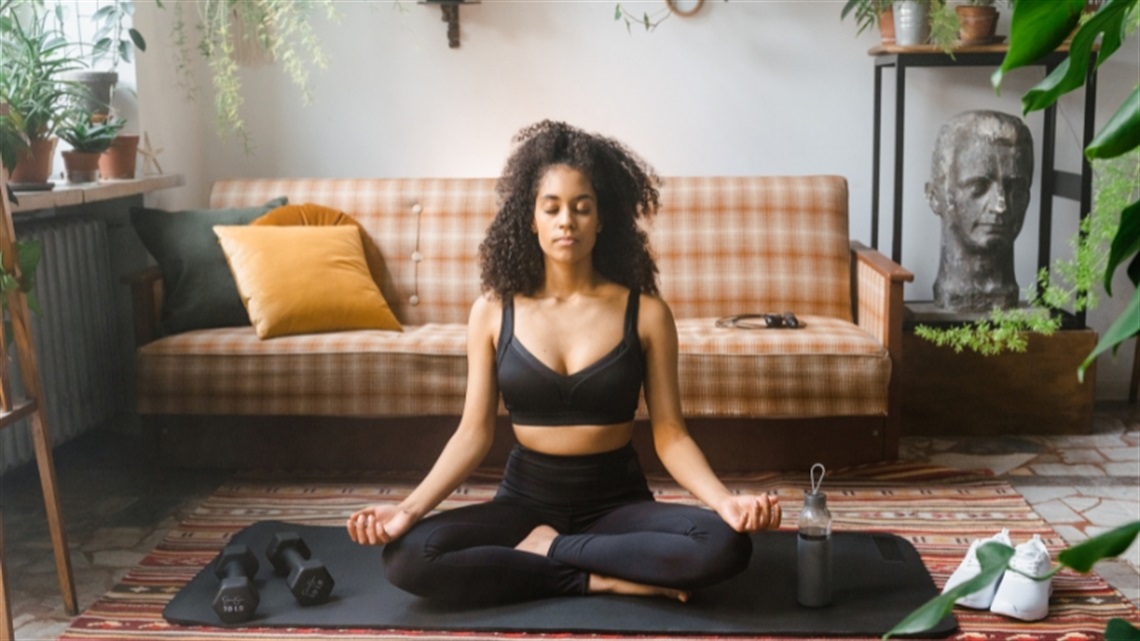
(570, 330)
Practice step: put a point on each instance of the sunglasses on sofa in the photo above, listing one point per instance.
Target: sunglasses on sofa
(787, 320)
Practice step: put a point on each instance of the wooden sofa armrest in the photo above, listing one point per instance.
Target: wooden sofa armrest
(878, 306)
(146, 302)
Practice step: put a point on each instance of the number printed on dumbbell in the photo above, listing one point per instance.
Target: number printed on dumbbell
(237, 599)
(307, 578)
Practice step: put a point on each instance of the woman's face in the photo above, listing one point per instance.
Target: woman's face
(566, 214)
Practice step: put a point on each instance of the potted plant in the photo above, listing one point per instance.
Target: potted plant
(919, 22)
(977, 21)
(118, 162)
(114, 40)
(872, 13)
(89, 137)
(907, 23)
(35, 56)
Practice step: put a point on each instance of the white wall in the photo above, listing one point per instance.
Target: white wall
(745, 87)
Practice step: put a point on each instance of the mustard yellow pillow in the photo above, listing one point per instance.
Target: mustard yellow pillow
(302, 280)
(319, 215)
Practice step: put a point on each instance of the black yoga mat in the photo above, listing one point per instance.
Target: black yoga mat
(879, 579)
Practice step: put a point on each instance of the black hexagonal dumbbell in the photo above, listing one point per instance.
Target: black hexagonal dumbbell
(237, 598)
(308, 579)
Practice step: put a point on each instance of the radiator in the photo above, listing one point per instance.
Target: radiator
(75, 334)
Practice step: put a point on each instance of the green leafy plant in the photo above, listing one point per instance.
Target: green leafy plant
(649, 22)
(28, 253)
(83, 134)
(994, 560)
(114, 39)
(12, 140)
(35, 55)
(283, 29)
(944, 26)
(866, 13)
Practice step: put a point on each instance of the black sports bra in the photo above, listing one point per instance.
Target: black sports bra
(604, 393)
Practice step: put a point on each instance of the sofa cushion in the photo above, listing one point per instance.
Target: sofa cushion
(829, 368)
(198, 289)
(422, 371)
(299, 279)
(319, 215)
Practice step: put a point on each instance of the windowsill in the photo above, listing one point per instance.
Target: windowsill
(65, 195)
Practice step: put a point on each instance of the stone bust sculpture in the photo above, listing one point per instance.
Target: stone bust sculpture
(979, 185)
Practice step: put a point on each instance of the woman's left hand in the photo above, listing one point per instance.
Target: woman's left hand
(751, 513)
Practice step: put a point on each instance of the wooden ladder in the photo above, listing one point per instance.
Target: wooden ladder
(13, 410)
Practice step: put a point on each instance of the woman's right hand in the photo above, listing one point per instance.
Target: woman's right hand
(379, 524)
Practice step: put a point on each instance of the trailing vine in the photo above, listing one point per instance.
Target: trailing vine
(281, 28)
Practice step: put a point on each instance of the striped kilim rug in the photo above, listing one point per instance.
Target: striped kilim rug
(940, 511)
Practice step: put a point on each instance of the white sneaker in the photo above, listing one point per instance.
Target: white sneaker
(1019, 596)
(970, 568)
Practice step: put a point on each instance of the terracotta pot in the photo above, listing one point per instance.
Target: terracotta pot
(33, 165)
(118, 162)
(978, 24)
(81, 166)
(887, 26)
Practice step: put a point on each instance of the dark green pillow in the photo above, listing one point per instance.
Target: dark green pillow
(199, 290)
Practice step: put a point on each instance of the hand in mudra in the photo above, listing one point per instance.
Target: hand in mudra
(379, 524)
(751, 513)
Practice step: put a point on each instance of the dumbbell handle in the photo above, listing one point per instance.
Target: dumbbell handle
(235, 570)
(293, 558)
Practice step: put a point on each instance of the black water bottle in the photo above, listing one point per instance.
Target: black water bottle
(813, 547)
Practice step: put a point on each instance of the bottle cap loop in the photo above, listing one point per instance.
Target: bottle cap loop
(816, 483)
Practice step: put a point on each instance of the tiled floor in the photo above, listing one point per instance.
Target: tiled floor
(118, 507)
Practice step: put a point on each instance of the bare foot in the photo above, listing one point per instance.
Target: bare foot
(609, 585)
(538, 541)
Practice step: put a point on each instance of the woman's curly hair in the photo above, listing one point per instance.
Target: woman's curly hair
(510, 256)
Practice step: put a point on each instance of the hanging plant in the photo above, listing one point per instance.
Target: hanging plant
(281, 29)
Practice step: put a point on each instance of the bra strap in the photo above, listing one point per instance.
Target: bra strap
(631, 312)
(506, 327)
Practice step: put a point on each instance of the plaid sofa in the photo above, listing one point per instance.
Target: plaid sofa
(724, 246)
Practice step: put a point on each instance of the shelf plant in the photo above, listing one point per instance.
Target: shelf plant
(866, 13)
(89, 135)
(35, 57)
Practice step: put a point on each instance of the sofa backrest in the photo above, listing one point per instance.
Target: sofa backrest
(724, 245)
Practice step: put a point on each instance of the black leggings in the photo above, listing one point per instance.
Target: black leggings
(608, 524)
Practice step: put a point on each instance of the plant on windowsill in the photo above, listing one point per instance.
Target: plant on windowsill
(114, 41)
(1036, 29)
(89, 137)
(35, 57)
(994, 559)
